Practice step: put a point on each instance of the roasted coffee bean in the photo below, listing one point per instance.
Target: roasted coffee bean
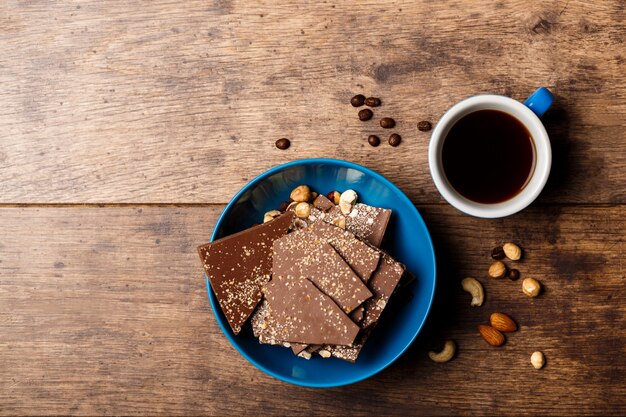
(372, 101)
(395, 139)
(497, 253)
(283, 206)
(387, 122)
(365, 115)
(424, 126)
(373, 140)
(283, 143)
(513, 274)
(358, 100)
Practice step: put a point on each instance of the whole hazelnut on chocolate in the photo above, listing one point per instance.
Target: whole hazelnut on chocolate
(301, 193)
(303, 210)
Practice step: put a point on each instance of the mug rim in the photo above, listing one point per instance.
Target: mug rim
(543, 156)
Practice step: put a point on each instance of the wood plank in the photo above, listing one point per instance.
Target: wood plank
(175, 101)
(104, 311)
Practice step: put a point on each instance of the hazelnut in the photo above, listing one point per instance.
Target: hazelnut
(301, 193)
(537, 359)
(334, 196)
(270, 215)
(531, 287)
(497, 270)
(497, 253)
(512, 251)
(303, 210)
(347, 201)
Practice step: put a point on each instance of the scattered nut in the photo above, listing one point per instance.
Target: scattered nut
(270, 215)
(497, 253)
(449, 349)
(301, 193)
(512, 251)
(497, 270)
(537, 359)
(475, 288)
(340, 222)
(513, 274)
(303, 210)
(394, 139)
(334, 196)
(324, 353)
(299, 224)
(502, 322)
(491, 335)
(305, 355)
(531, 287)
(347, 201)
(373, 140)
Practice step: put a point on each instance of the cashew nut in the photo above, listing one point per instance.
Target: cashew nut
(449, 349)
(475, 288)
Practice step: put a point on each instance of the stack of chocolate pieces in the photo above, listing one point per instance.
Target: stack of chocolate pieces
(329, 281)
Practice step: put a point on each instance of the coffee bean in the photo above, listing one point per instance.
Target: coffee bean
(372, 101)
(387, 122)
(358, 100)
(497, 253)
(365, 115)
(424, 126)
(513, 274)
(283, 143)
(373, 140)
(395, 139)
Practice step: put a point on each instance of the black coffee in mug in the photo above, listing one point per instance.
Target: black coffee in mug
(488, 156)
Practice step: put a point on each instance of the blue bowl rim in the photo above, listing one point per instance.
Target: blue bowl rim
(215, 307)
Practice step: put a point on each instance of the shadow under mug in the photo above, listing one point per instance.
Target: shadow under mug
(528, 114)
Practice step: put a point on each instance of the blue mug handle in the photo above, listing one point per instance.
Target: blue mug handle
(540, 101)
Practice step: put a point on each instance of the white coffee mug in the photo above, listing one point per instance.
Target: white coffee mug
(528, 114)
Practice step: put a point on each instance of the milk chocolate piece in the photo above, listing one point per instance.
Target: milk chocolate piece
(383, 283)
(239, 264)
(301, 313)
(349, 353)
(368, 223)
(361, 258)
(323, 203)
(303, 255)
(267, 335)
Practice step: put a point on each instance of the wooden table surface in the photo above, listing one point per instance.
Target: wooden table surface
(125, 127)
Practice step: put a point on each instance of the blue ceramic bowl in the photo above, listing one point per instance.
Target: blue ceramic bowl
(407, 240)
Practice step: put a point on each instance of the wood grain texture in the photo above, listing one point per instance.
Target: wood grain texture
(104, 311)
(164, 101)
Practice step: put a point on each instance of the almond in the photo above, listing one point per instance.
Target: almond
(491, 335)
(502, 322)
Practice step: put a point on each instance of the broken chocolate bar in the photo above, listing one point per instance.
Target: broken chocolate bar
(368, 223)
(362, 258)
(303, 255)
(383, 283)
(238, 265)
(300, 313)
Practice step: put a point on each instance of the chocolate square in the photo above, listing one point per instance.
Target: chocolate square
(238, 265)
(303, 255)
(300, 313)
(362, 258)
